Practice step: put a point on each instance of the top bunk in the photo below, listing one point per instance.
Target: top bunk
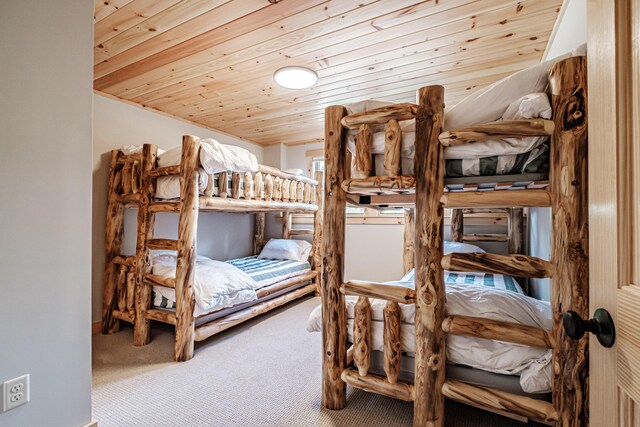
(228, 179)
(501, 138)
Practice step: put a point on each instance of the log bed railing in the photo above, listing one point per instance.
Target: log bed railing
(128, 280)
(565, 193)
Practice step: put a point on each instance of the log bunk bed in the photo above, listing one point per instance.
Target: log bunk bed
(128, 281)
(429, 193)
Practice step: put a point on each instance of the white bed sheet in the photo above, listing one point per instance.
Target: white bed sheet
(216, 285)
(532, 364)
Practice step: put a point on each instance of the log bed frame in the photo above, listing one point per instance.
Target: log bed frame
(565, 193)
(128, 280)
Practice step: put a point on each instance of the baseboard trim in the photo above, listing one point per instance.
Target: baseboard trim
(92, 423)
(96, 328)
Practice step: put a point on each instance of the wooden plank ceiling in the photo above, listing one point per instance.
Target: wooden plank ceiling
(212, 61)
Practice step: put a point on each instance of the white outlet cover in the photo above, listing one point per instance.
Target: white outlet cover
(15, 393)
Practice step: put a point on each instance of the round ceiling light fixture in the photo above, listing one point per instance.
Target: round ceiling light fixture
(295, 77)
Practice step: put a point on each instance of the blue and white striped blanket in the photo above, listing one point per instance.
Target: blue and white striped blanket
(269, 271)
(497, 281)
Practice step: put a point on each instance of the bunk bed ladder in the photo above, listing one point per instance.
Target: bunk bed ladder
(185, 245)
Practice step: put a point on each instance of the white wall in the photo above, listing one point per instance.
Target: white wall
(570, 32)
(220, 236)
(45, 168)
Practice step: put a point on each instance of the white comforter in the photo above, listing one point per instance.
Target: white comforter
(216, 285)
(531, 363)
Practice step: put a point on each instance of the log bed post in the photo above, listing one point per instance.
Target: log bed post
(408, 255)
(146, 221)
(334, 331)
(457, 225)
(429, 277)
(112, 248)
(187, 232)
(317, 229)
(570, 250)
(258, 237)
(286, 225)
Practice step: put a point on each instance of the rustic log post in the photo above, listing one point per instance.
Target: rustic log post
(307, 193)
(317, 228)
(131, 291)
(392, 148)
(248, 186)
(457, 225)
(364, 140)
(122, 288)
(293, 194)
(285, 190)
(334, 330)
(235, 185)
(362, 335)
(258, 237)
(146, 221)
(392, 341)
(126, 178)
(277, 189)
(570, 243)
(135, 177)
(268, 188)
(286, 225)
(516, 231)
(429, 277)
(223, 185)
(258, 187)
(408, 254)
(300, 192)
(186, 263)
(112, 247)
(210, 184)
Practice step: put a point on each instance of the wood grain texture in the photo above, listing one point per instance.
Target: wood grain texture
(207, 330)
(533, 409)
(376, 384)
(392, 341)
(393, 293)
(496, 330)
(364, 140)
(162, 244)
(334, 322)
(487, 237)
(379, 185)
(212, 62)
(512, 265)
(457, 225)
(429, 277)
(362, 335)
(497, 130)
(187, 252)
(258, 235)
(408, 254)
(570, 242)
(381, 115)
(113, 247)
(318, 228)
(223, 185)
(235, 185)
(286, 225)
(497, 199)
(392, 148)
(146, 223)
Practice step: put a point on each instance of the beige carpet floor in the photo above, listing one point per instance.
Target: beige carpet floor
(265, 372)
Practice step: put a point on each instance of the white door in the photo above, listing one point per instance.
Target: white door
(614, 207)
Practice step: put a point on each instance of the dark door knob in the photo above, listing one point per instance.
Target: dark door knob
(601, 326)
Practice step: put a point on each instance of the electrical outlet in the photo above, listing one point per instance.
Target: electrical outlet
(15, 392)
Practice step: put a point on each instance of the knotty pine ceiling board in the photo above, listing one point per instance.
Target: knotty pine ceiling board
(211, 62)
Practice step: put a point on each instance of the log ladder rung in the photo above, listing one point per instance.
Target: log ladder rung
(161, 316)
(511, 265)
(497, 199)
(485, 238)
(154, 280)
(391, 293)
(300, 231)
(162, 244)
(376, 384)
(498, 330)
(501, 129)
(165, 171)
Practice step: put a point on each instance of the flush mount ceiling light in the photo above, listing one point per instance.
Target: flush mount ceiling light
(295, 77)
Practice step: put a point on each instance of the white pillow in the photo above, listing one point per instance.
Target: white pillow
(215, 157)
(449, 248)
(295, 250)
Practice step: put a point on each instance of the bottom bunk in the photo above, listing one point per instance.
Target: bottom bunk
(382, 332)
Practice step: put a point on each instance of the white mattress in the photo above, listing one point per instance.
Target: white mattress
(532, 364)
